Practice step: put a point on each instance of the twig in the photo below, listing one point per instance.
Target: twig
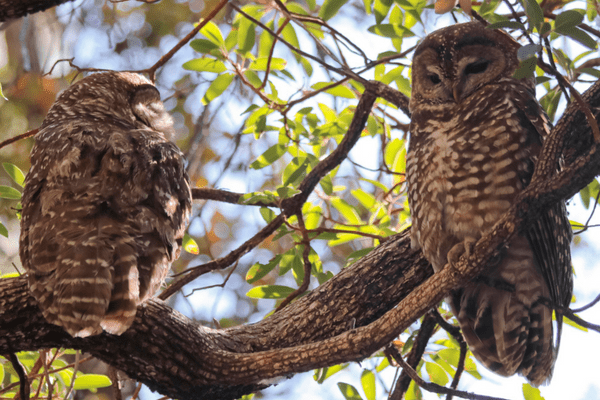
(23, 381)
(596, 300)
(163, 60)
(226, 197)
(413, 358)
(435, 388)
(457, 335)
(307, 265)
(25, 135)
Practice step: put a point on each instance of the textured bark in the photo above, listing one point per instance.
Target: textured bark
(10, 9)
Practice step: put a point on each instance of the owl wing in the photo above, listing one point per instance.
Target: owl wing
(550, 234)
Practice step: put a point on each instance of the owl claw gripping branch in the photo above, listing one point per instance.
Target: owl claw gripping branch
(105, 204)
(476, 133)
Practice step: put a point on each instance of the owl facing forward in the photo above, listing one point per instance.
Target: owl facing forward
(476, 133)
(105, 204)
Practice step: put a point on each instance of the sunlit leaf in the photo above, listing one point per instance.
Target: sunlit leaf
(205, 65)
(203, 45)
(348, 211)
(381, 9)
(3, 230)
(7, 192)
(348, 391)
(212, 32)
(2, 96)
(260, 64)
(339, 90)
(190, 245)
(367, 380)
(271, 155)
(259, 271)
(531, 393)
(436, 373)
(246, 36)
(323, 373)
(217, 87)
(270, 292)
(91, 381)
(330, 8)
(15, 173)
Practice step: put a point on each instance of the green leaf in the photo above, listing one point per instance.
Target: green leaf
(590, 71)
(323, 373)
(246, 35)
(567, 19)
(91, 381)
(15, 173)
(579, 36)
(339, 90)
(327, 185)
(2, 95)
(203, 45)
(270, 292)
(534, 13)
(289, 34)
(7, 192)
(271, 155)
(295, 171)
(267, 214)
(190, 245)
(260, 64)
(390, 31)
(330, 8)
(367, 379)
(348, 391)
(212, 32)
(381, 9)
(531, 393)
(259, 271)
(507, 25)
(348, 211)
(436, 373)
(217, 87)
(3, 232)
(205, 65)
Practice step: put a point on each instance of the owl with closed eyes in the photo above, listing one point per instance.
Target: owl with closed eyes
(105, 204)
(475, 135)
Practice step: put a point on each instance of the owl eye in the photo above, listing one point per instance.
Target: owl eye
(434, 79)
(477, 67)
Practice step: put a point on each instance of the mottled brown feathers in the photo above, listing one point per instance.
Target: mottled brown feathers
(476, 133)
(105, 204)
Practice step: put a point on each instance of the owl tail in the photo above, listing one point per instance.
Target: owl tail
(83, 286)
(505, 319)
(126, 291)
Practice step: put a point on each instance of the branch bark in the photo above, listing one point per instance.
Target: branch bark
(346, 319)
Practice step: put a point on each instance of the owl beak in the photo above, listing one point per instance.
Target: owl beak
(456, 93)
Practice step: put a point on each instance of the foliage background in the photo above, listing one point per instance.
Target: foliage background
(236, 137)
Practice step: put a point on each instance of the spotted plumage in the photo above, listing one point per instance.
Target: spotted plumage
(105, 204)
(476, 133)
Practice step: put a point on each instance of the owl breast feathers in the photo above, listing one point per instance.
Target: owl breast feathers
(105, 204)
(476, 133)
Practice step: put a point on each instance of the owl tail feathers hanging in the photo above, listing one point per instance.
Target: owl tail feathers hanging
(105, 204)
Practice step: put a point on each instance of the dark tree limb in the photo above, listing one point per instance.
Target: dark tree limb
(11, 9)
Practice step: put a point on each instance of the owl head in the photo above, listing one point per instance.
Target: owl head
(454, 62)
(125, 99)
